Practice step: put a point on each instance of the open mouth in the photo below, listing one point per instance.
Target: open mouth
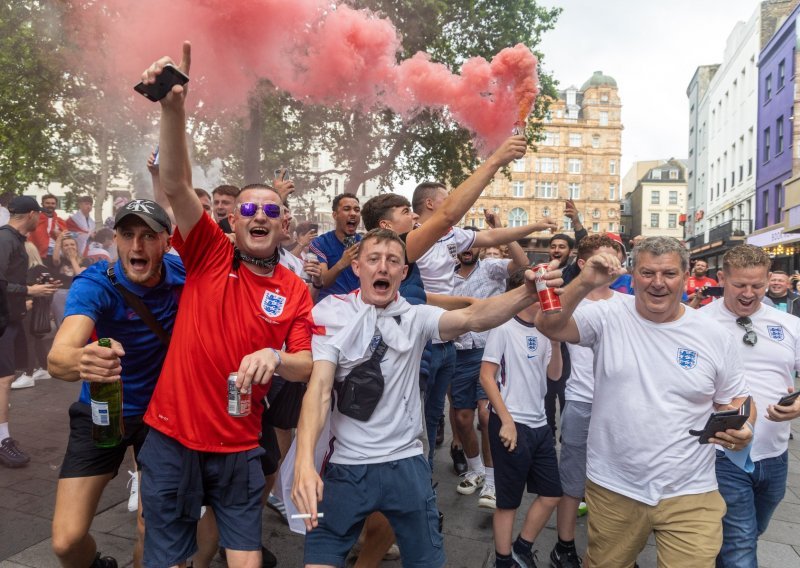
(259, 232)
(138, 263)
(381, 285)
(352, 225)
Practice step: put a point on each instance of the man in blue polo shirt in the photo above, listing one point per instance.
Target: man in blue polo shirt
(338, 248)
(96, 309)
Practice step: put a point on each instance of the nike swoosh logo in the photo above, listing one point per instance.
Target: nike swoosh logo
(531, 356)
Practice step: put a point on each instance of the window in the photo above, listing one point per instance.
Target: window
(596, 213)
(567, 224)
(749, 167)
(550, 139)
(574, 190)
(781, 73)
(612, 191)
(603, 118)
(575, 140)
(611, 227)
(595, 227)
(546, 189)
(545, 211)
(656, 174)
(612, 167)
(519, 165)
(518, 188)
(768, 88)
(779, 135)
(336, 187)
(672, 221)
(655, 197)
(765, 208)
(595, 141)
(546, 165)
(673, 197)
(574, 166)
(654, 220)
(481, 222)
(517, 217)
(765, 154)
(314, 161)
(612, 213)
(673, 174)
(364, 189)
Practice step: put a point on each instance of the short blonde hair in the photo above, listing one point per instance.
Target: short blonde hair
(34, 259)
(745, 256)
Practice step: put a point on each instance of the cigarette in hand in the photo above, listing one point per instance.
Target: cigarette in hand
(306, 515)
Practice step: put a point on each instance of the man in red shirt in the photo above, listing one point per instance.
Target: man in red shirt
(699, 280)
(197, 453)
(48, 228)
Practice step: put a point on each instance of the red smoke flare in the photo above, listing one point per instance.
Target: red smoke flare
(318, 53)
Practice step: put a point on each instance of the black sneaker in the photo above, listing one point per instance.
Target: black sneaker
(11, 455)
(569, 559)
(104, 562)
(459, 460)
(440, 432)
(526, 559)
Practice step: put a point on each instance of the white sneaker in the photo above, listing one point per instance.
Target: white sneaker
(470, 481)
(487, 500)
(133, 500)
(41, 375)
(23, 382)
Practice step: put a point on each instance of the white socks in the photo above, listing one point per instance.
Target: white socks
(4, 431)
(476, 464)
(489, 480)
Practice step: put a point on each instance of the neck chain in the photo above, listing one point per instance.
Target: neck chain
(267, 263)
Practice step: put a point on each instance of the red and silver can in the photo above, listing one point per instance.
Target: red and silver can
(549, 301)
(238, 402)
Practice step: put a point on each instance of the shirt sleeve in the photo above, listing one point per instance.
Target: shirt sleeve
(317, 247)
(86, 298)
(464, 239)
(299, 336)
(589, 320)
(206, 246)
(427, 321)
(493, 350)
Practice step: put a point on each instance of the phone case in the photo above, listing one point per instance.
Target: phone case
(789, 399)
(721, 421)
(169, 77)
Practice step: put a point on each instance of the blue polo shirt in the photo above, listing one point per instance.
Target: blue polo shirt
(330, 249)
(92, 295)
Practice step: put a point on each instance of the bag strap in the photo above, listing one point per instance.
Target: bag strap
(140, 308)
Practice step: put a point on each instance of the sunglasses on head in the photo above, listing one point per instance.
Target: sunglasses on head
(249, 209)
(750, 338)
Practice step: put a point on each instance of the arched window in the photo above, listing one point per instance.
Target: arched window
(545, 211)
(517, 217)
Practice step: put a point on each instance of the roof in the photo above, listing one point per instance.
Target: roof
(599, 80)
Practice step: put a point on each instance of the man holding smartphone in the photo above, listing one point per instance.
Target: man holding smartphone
(770, 351)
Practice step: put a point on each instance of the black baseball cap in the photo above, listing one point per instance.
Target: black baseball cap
(148, 211)
(22, 204)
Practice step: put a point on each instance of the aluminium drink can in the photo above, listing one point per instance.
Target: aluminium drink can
(549, 301)
(238, 402)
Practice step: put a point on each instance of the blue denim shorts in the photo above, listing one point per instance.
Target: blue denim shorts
(177, 481)
(465, 389)
(400, 489)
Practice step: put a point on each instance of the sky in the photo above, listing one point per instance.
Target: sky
(652, 49)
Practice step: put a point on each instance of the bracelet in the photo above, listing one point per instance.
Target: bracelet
(277, 356)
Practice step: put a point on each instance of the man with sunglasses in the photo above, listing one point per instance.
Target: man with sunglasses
(196, 452)
(769, 343)
(655, 379)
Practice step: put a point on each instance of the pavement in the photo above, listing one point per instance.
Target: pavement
(40, 423)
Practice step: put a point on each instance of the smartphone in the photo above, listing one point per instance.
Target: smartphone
(314, 227)
(155, 157)
(349, 241)
(788, 400)
(713, 292)
(281, 173)
(169, 77)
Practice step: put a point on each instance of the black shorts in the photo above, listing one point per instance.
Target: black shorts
(84, 459)
(533, 462)
(13, 349)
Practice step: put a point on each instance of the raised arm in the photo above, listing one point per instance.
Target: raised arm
(518, 257)
(462, 198)
(175, 169)
(506, 235)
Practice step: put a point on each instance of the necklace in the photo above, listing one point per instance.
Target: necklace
(267, 263)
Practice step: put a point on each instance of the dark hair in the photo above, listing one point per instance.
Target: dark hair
(231, 190)
(378, 209)
(381, 235)
(566, 238)
(590, 243)
(338, 198)
(103, 234)
(200, 192)
(85, 199)
(48, 196)
(516, 280)
(423, 191)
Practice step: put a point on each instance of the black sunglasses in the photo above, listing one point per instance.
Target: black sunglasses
(750, 338)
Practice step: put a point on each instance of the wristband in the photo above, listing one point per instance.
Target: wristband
(278, 357)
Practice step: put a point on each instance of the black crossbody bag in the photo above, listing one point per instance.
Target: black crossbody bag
(136, 303)
(358, 394)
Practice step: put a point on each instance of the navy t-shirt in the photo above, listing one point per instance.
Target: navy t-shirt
(330, 249)
(92, 295)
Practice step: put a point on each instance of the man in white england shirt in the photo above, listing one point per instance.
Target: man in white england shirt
(770, 350)
(655, 379)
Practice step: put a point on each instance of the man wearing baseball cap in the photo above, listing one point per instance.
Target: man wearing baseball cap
(142, 234)
(24, 216)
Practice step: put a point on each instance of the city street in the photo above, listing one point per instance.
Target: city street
(39, 422)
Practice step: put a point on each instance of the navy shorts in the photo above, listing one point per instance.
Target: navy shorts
(13, 350)
(533, 462)
(465, 389)
(400, 489)
(177, 481)
(84, 459)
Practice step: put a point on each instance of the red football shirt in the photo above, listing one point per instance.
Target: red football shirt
(693, 283)
(223, 316)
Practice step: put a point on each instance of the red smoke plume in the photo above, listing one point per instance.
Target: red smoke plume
(318, 53)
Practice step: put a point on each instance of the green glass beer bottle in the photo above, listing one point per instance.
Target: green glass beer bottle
(107, 428)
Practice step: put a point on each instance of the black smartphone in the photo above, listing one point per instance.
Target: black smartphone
(281, 173)
(169, 77)
(788, 400)
(313, 227)
(724, 420)
(349, 241)
(713, 292)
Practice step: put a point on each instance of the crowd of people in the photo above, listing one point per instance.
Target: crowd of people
(351, 343)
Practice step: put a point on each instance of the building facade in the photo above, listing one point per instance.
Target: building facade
(578, 158)
(658, 202)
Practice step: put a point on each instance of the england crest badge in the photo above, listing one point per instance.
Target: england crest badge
(687, 358)
(272, 304)
(775, 332)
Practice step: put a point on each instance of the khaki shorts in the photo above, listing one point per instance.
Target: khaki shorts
(688, 529)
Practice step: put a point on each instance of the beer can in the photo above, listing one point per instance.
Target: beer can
(238, 402)
(311, 257)
(549, 301)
